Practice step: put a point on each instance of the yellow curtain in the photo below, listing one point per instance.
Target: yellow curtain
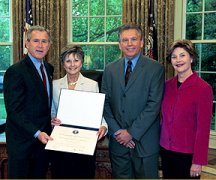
(51, 14)
(165, 31)
(137, 11)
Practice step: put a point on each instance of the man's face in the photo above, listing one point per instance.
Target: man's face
(39, 44)
(130, 43)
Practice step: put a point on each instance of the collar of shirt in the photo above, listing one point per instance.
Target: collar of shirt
(35, 61)
(133, 60)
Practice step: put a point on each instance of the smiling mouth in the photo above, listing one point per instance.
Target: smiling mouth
(39, 51)
(130, 49)
(179, 65)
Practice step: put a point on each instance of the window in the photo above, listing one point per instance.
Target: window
(5, 47)
(198, 25)
(94, 26)
(201, 28)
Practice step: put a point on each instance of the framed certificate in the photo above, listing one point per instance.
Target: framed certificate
(81, 114)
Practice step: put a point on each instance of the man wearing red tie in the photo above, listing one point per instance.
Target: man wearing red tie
(28, 96)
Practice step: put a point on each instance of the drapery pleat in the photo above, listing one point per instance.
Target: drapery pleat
(137, 11)
(165, 31)
(51, 14)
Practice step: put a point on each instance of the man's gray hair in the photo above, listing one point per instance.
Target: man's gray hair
(37, 28)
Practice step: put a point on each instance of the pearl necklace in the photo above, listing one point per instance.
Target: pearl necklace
(72, 83)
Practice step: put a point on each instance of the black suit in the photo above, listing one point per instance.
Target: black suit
(28, 110)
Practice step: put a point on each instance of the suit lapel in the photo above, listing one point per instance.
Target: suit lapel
(121, 74)
(33, 71)
(64, 83)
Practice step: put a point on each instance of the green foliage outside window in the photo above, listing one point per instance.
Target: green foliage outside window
(5, 57)
(4, 8)
(95, 25)
(2, 108)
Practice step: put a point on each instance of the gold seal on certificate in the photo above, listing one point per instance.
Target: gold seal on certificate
(81, 115)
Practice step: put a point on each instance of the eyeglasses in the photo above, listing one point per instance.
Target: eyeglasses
(132, 40)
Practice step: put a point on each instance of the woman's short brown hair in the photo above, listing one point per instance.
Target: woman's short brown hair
(187, 45)
(72, 49)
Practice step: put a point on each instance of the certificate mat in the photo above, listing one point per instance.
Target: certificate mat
(75, 140)
(80, 108)
(81, 114)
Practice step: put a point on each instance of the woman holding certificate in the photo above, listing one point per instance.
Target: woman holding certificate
(70, 165)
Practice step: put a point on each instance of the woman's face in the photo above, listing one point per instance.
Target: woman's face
(72, 64)
(181, 60)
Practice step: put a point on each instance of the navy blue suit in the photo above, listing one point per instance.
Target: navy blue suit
(28, 110)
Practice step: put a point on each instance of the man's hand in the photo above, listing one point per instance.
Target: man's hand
(131, 144)
(124, 138)
(44, 138)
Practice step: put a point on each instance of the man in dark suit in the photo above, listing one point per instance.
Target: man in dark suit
(28, 96)
(132, 108)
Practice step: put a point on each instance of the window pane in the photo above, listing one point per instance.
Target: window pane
(96, 29)
(4, 7)
(80, 30)
(211, 79)
(94, 57)
(210, 5)
(194, 5)
(112, 53)
(194, 26)
(4, 30)
(2, 107)
(112, 28)
(206, 57)
(79, 7)
(210, 26)
(114, 7)
(1, 87)
(97, 7)
(5, 57)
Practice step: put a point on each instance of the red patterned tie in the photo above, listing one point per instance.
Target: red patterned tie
(128, 72)
(43, 76)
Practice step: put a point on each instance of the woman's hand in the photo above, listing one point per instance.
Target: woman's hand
(101, 132)
(55, 121)
(195, 170)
